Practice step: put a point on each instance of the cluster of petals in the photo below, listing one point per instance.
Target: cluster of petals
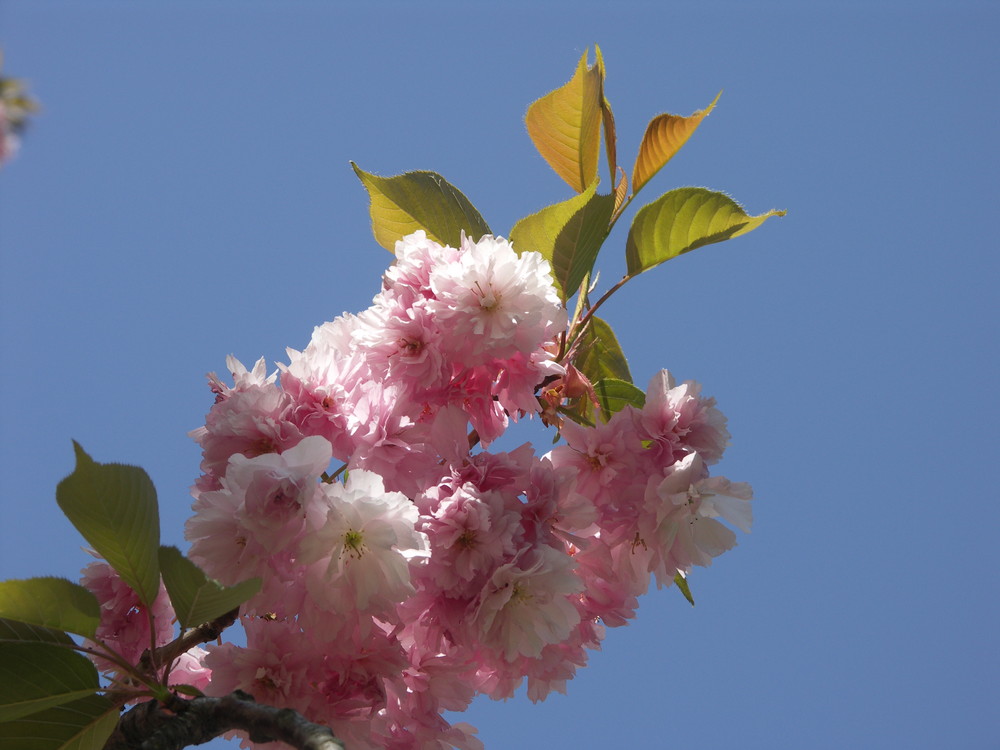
(423, 572)
(128, 628)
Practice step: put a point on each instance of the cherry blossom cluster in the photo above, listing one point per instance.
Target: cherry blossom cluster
(427, 569)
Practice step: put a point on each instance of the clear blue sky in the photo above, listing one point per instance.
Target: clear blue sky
(186, 194)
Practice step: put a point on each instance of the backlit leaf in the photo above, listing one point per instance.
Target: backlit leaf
(114, 508)
(402, 204)
(36, 676)
(565, 126)
(621, 189)
(600, 355)
(196, 598)
(51, 603)
(608, 120)
(83, 724)
(683, 220)
(614, 395)
(663, 138)
(568, 234)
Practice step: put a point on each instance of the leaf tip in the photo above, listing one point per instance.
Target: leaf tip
(82, 458)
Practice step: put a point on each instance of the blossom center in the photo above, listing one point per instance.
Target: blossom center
(488, 300)
(354, 542)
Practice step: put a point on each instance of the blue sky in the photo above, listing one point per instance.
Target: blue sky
(186, 194)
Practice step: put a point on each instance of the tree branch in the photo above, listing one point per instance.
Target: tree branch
(155, 726)
(209, 631)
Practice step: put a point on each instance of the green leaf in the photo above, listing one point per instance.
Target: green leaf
(682, 584)
(83, 724)
(196, 598)
(114, 508)
(403, 204)
(36, 676)
(565, 126)
(683, 220)
(51, 603)
(614, 395)
(600, 355)
(568, 234)
(663, 138)
(607, 119)
(11, 630)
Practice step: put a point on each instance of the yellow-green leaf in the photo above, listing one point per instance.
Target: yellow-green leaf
(608, 119)
(83, 724)
(402, 204)
(621, 190)
(683, 220)
(565, 126)
(51, 603)
(682, 584)
(196, 598)
(37, 676)
(663, 138)
(568, 234)
(114, 508)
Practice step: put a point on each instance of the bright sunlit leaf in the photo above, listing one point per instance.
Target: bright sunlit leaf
(621, 190)
(51, 603)
(402, 204)
(36, 676)
(83, 724)
(565, 126)
(682, 220)
(607, 119)
(114, 507)
(682, 584)
(568, 234)
(663, 138)
(196, 598)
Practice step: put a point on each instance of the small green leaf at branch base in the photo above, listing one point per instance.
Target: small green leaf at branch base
(196, 598)
(565, 125)
(569, 235)
(402, 204)
(84, 724)
(190, 690)
(682, 220)
(114, 508)
(37, 676)
(51, 603)
(682, 584)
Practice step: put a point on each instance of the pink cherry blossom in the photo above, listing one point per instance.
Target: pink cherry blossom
(678, 419)
(495, 303)
(362, 544)
(125, 622)
(684, 507)
(527, 604)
